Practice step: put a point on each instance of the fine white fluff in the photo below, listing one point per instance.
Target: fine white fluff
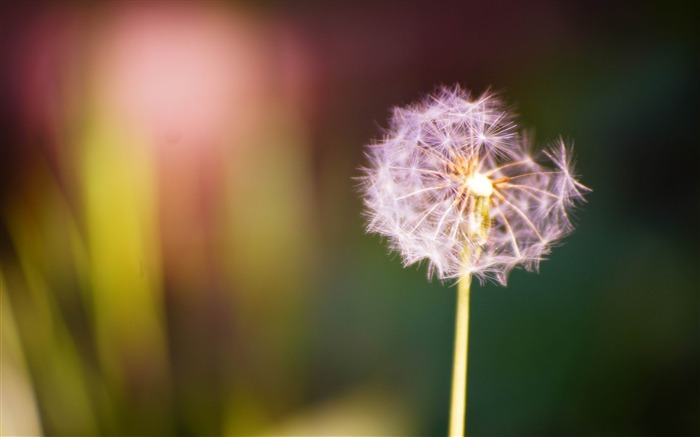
(506, 210)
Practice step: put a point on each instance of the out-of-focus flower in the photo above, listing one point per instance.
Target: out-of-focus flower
(454, 182)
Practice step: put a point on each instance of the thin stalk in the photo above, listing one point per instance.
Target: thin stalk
(458, 409)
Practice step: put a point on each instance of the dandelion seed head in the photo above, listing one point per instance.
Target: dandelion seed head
(453, 182)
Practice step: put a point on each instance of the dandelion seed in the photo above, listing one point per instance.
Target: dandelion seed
(454, 183)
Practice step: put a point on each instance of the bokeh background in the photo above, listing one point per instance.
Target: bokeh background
(182, 242)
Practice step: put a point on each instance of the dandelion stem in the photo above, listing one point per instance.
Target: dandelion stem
(458, 409)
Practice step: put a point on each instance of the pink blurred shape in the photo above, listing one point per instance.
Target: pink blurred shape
(182, 72)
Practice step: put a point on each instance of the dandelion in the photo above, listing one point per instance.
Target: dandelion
(456, 184)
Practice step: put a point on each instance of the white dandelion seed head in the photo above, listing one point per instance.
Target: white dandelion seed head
(454, 183)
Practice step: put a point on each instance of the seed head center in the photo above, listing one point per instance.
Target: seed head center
(479, 185)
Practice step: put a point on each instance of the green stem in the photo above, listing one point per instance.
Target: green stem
(458, 409)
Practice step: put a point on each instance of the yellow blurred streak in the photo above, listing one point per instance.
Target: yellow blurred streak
(36, 226)
(18, 408)
(121, 222)
(270, 244)
(270, 211)
(368, 410)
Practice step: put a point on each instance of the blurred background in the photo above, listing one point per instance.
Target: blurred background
(182, 242)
